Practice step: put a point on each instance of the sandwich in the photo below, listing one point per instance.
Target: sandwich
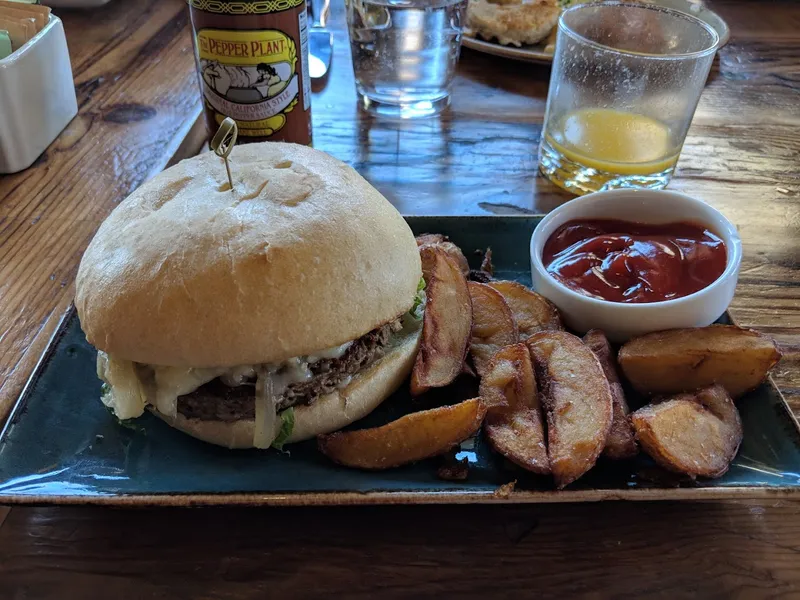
(284, 307)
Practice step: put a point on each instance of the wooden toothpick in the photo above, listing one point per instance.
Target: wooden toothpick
(223, 142)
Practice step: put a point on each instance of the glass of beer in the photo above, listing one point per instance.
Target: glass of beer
(625, 83)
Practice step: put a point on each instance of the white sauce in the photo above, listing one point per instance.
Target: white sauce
(237, 376)
(294, 370)
(335, 352)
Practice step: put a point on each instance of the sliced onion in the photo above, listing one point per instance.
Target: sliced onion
(127, 397)
(266, 420)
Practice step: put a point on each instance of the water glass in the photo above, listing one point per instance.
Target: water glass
(405, 53)
(625, 83)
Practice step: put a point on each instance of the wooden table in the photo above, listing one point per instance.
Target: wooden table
(139, 105)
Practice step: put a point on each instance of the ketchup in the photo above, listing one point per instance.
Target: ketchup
(622, 261)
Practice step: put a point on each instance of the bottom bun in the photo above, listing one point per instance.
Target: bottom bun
(329, 413)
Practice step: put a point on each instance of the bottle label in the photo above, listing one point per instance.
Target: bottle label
(250, 76)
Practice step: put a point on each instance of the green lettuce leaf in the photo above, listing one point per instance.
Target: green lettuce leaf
(419, 300)
(132, 424)
(287, 425)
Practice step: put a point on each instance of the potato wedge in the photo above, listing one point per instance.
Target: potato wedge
(453, 251)
(429, 239)
(493, 325)
(531, 311)
(621, 442)
(697, 434)
(682, 360)
(514, 425)
(577, 398)
(446, 325)
(408, 439)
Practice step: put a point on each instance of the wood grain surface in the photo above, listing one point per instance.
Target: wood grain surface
(139, 104)
(618, 550)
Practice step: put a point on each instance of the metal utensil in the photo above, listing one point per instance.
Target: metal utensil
(320, 40)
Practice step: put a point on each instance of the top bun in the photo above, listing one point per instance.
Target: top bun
(302, 255)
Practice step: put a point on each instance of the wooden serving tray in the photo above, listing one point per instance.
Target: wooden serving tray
(61, 446)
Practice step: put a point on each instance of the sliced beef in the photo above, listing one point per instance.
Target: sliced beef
(219, 402)
(216, 401)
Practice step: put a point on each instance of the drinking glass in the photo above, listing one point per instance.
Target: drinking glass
(405, 53)
(625, 83)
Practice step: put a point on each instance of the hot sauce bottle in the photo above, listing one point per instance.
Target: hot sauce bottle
(252, 65)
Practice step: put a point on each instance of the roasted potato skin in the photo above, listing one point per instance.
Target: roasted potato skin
(410, 438)
(493, 325)
(577, 398)
(514, 423)
(532, 312)
(446, 325)
(453, 251)
(682, 360)
(621, 442)
(695, 434)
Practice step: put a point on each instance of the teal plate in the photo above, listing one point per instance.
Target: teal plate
(60, 445)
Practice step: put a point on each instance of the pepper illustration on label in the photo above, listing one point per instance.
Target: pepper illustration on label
(250, 76)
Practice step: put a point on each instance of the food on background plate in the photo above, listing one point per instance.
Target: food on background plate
(408, 439)
(446, 324)
(621, 441)
(622, 261)
(532, 312)
(514, 422)
(512, 22)
(680, 360)
(697, 434)
(453, 251)
(258, 315)
(577, 399)
(493, 325)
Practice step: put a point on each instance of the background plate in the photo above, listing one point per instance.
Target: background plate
(62, 446)
(536, 53)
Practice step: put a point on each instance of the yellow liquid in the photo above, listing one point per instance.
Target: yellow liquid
(613, 141)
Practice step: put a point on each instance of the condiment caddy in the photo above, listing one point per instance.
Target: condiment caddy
(37, 93)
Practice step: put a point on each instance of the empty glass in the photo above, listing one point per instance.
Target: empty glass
(625, 83)
(405, 53)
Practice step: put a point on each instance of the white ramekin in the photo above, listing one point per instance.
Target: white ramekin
(618, 320)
